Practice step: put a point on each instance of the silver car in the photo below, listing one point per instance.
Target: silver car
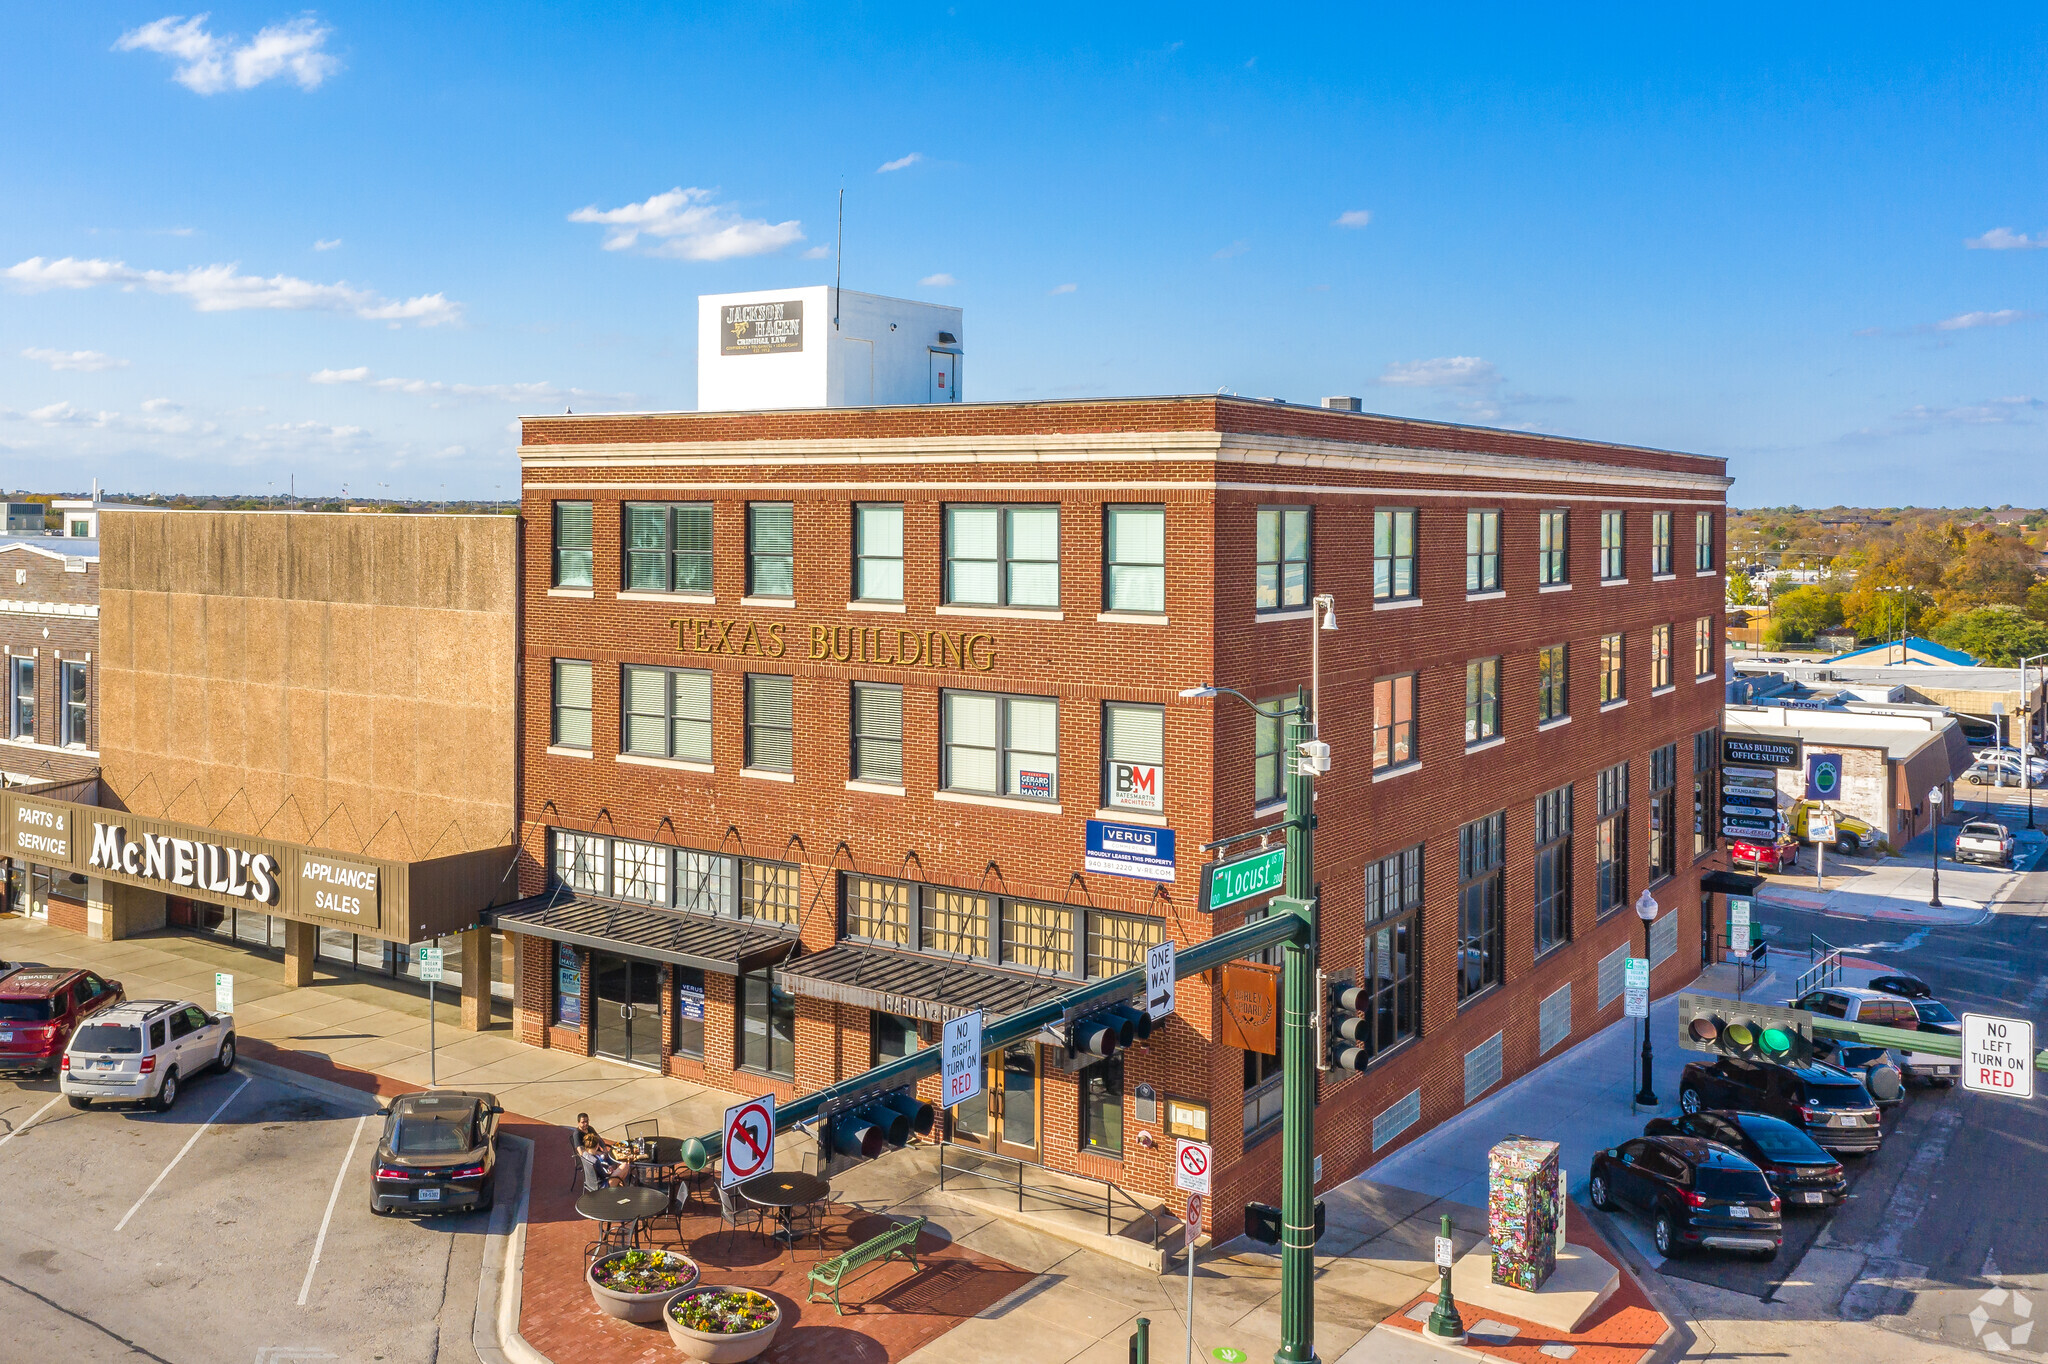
(143, 1050)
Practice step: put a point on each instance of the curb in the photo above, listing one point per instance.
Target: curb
(1679, 1337)
(494, 1334)
(356, 1100)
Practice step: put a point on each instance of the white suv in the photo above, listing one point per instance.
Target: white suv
(144, 1049)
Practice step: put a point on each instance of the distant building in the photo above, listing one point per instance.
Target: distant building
(1912, 651)
(1891, 757)
(24, 518)
(78, 518)
(49, 630)
(1841, 641)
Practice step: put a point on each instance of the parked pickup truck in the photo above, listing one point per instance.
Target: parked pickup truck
(1851, 834)
(1982, 841)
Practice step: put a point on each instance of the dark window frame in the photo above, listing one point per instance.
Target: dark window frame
(1482, 550)
(1388, 524)
(1099, 1090)
(1660, 657)
(756, 728)
(759, 558)
(1283, 515)
(1004, 561)
(1482, 702)
(1553, 546)
(1396, 730)
(564, 552)
(1552, 899)
(680, 568)
(1613, 546)
(1613, 669)
(1482, 918)
(775, 1003)
(1660, 544)
(861, 742)
(861, 555)
(556, 708)
(1553, 682)
(74, 716)
(1141, 569)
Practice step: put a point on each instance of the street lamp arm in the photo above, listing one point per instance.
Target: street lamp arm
(1206, 692)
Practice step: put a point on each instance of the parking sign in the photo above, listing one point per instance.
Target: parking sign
(1191, 1160)
(1738, 923)
(960, 1061)
(1635, 987)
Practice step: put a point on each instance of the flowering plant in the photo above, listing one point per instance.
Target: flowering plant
(644, 1271)
(725, 1313)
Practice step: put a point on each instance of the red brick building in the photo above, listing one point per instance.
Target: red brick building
(49, 633)
(818, 707)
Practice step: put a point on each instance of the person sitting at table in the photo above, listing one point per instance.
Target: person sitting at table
(601, 1160)
(584, 1130)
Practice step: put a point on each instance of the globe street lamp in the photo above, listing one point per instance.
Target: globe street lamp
(1934, 799)
(1646, 910)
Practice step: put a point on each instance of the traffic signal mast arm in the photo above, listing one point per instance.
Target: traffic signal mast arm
(1903, 1039)
(1278, 927)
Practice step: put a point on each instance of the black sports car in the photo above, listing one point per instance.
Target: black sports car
(1799, 1172)
(439, 1153)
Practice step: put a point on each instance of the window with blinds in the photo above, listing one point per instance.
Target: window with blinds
(571, 725)
(668, 546)
(1002, 745)
(877, 910)
(771, 549)
(1003, 556)
(1134, 559)
(878, 733)
(1038, 937)
(878, 551)
(1613, 566)
(640, 871)
(572, 544)
(770, 893)
(666, 713)
(1117, 942)
(770, 728)
(1133, 735)
(954, 922)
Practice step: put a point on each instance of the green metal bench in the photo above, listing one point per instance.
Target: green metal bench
(897, 1243)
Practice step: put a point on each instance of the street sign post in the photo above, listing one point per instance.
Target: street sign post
(960, 1065)
(1823, 776)
(1738, 923)
(1998, 1055)
(1227, 883)
(1635, 987)
(749, 1145)
(223, 993)
(1159, 980)
(1193, 1225)
(1191, 1161)
(430, 972)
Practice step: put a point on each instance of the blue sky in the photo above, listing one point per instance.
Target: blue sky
(350, 245)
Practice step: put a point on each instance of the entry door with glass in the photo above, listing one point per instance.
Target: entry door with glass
(627, 1015)
(1005, 1118)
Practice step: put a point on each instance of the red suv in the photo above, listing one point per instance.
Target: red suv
(40, 1007)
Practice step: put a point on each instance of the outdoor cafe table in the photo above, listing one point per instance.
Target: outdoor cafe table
(626, 1204)
(784, 1193)
(659, 1161)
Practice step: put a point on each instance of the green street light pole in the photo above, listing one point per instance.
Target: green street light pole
(1297, 1060)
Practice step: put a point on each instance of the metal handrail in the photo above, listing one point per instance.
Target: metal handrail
(1749, 966)
(1052, 1192)
(1826, 971)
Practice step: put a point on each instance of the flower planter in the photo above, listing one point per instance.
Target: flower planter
(644, 1303)
(724, 1347)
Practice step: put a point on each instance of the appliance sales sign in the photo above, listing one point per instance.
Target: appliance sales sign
(1136, 850)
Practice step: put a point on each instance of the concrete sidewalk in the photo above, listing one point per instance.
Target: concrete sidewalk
(1898, 888)
(1081, 1305)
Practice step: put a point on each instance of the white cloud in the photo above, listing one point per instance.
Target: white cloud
(85, 361)
(161, 405)
(327, 243)
(939, 281)
(2004, 317)
(690, 225)
(900, 163)
(158, 423)
(209, 64)
(434, 388)
(1990, 412)
(1236, 248)
(816, 253)
(217, 289)
(1354, 217)
(2005, 239)
(1064, 288)
(1448, 371)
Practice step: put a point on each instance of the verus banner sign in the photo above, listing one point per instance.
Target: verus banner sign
(186, 862)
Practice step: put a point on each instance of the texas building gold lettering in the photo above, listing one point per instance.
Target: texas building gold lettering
(741, 638)
(904, 648)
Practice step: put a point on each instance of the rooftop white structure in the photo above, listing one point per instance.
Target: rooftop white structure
(824, 347)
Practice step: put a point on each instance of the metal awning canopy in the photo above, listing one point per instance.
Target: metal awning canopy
(934, 989)
(729, 947)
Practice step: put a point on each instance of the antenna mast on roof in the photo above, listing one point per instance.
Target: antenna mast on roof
(839, 258)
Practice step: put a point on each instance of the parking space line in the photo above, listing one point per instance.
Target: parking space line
(181, 1152)
(321, 1241)
(31, 1121)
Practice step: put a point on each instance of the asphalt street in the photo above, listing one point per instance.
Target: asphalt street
(205, 1235)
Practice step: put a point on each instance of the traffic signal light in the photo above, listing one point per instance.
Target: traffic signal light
(1107, 1031)
(1749, 1032)
(1262, 1223)
(1347, 1030)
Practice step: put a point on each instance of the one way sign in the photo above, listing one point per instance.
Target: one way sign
(1159, 981)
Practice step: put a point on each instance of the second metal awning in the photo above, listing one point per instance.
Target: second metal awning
(1731, 882)
(729, 947)
(933, 989)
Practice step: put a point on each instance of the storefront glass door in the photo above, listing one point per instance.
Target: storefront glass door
(627, 1025)
(1004, 1117)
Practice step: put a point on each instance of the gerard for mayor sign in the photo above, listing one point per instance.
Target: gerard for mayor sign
(761, 328)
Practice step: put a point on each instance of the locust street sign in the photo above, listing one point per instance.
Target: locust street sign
(1227, 883)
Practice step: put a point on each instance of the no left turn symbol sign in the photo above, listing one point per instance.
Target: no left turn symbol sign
(748, 1148)
(1191, 1166)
